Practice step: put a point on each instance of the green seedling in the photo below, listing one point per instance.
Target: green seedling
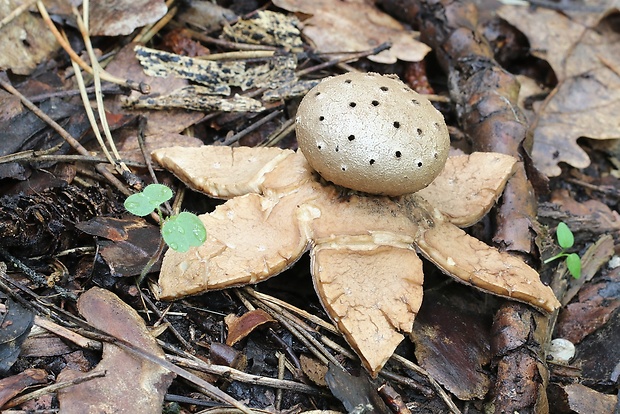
(180, 231)
(566, 240)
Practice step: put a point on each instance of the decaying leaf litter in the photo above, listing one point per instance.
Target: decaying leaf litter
(485, 99)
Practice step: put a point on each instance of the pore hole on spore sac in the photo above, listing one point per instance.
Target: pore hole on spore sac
(321, 118)
(375, 103)
(419, 163)
(396, 124)
(372, 162)
(398, 154)
(352, 104)
(351, 137)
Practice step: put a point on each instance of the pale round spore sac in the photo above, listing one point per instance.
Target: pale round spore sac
(561, 350)
(372, 133)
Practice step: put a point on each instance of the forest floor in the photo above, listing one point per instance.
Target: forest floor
(92, 321)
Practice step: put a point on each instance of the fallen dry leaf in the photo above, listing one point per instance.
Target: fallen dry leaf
(355, 26)
(579, 399)
(13, 385)
(242, 326)
(122, 17)
(314, 369)
(364, 263)
(585, 56)
(591, 216)
(25, 41)
(595, 305)
(453, 347)
(131, 384)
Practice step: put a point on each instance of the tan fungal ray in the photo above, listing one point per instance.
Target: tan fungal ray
(365, 269)
(221, 171)
(469, 186)
(287, 176)
(249, 239)
(372, 293)
(474, 263)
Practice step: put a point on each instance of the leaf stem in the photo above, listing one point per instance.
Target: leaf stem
(557, 256)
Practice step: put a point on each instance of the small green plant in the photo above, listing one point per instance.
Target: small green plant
(566, 240)
(180, 231)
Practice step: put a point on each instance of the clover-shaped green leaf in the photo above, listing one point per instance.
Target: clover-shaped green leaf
(566, 240)
(145, 202)
(182, 231)
(573, 263)
(565, 236)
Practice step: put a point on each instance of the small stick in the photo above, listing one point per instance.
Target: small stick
(53, 388)
(34, 276)
(233, 374)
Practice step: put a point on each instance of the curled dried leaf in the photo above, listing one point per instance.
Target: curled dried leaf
(242, 326)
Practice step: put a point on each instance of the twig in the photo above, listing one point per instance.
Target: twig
(34, 276)
(440, 391)
(97, 71)
(312, 318)
(605, 189)
(163, 317)
(300, 333)
(281, 366)
(286, 128)
(233, 374)
(254, 126)
(53, 388)
(346, 58)
(38, 156)
(107, 89)
(142, 121)
(148, 32)
(277, 304)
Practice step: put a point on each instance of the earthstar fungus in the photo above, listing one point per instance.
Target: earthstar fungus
(363, 247)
